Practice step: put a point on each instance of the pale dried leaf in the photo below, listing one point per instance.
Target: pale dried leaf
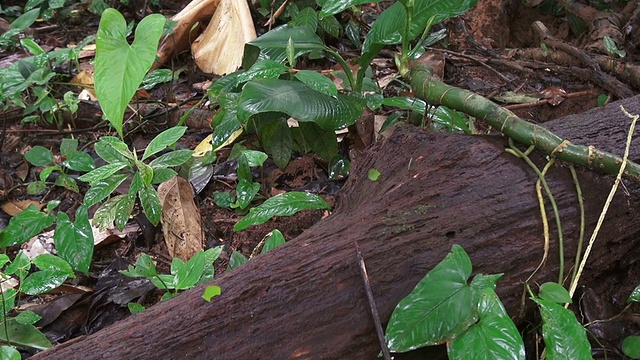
(181, 221)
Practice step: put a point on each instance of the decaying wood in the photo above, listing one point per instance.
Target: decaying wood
(305, 300)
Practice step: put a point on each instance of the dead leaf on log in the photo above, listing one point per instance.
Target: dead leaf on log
(181, 221)
(220, 47)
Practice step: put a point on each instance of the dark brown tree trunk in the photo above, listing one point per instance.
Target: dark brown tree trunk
(305, 300)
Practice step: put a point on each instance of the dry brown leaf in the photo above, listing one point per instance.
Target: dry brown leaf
(181, 221)
(183, 31)
(14, 208)
(220, 48)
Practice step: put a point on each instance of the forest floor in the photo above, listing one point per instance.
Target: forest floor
(493, 51)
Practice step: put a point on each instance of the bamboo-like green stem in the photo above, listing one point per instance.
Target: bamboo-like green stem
(435, 92)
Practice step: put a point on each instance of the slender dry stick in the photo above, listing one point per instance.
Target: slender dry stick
(614, 188)
(372, 303)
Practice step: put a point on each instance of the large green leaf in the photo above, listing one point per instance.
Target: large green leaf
(300, 102)
(74, 240)
(150, 204)
(22, 227)
(323, 143)
(102, 188)
(120, 67)
(103, 172)
(113, 150)
(494, 336)
(42, 281)
(440, 307)
(389, 26)
(174, 158)
(39, 156)
(276, 139)
(564, 336)
(273, 44)
(189, 274)
(23, 335)
(332, 7)
(281, 205)
(164, 139)
(265, 68)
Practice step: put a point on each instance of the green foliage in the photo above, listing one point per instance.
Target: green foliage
(120, 67)
(285, 204)
(210, 292)
(611, 47)
(123, 164)
(74, 160)
(469, 317)
(184, 275)
(19, 330)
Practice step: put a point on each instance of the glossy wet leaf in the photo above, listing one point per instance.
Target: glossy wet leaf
(150, 204)
(300, 102)
(162, 174)
(494, 336)
(39, 156)
(74, 240)
(22, 227)
(67, 182)
(273, 241)
(79, 161)
(332, 7)
(564, 336)
(173, 158)
(164, 139)
(27, 317)
(223, 199)
(190, 273)
(245, 192)
(388, 28)
(440, 307)
(635, 295)
(228, 126)
(265, 68)
(102, 188)
(552, 291)
(120, 67)
(9, 353)
(273, 44)
(27, 336)
(42, 281)
(113, 150)
(106, 213)
(317, 82)
(144, 267)
(103, 172)
(285, 204)
(52, 262)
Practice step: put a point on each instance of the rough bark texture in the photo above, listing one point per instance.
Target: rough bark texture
(305, 300)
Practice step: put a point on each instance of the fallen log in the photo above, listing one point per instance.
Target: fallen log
(305, 300)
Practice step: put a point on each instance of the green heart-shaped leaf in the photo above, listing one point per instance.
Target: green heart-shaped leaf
(120, 67)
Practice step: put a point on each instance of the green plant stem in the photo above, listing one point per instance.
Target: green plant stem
(408, 6)
(428, 88)
(345, 66)
(581, 205)
(552, 200)
(614, 188)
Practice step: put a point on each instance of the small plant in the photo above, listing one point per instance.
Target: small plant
(74, 244)
(445, 308)
(74, 160)
(123, 164)
(184, 275)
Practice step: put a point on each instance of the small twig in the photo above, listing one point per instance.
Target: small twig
(372, 303)
(614, 188)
